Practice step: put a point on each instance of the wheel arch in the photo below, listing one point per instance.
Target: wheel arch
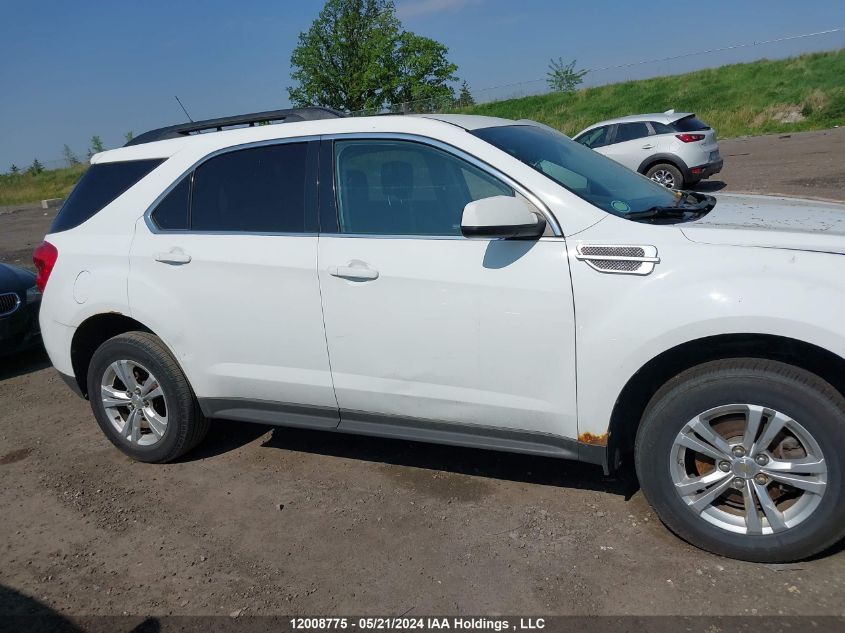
(638, 391)
(672, 159)
(93, 332)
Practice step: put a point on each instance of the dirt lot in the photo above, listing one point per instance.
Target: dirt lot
(263, 520)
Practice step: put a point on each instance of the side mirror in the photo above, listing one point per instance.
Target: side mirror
(502, 217)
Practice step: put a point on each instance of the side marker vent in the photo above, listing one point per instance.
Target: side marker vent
(619, 259)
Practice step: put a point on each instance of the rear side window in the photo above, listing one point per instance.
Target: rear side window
(259, 190)
(171, 214)
(630, 131)
(661, 128)
(102, 184)
(690, 124)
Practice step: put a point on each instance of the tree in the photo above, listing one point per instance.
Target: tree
(345, 59)
(129, 136)
(356, 56)
(36, 167)
(423, 74)
(70, 157)
(14, 169)
(465, 97)
(96, 145)
(563, 77)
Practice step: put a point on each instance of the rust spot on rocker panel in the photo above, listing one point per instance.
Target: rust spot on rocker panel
(596, 440)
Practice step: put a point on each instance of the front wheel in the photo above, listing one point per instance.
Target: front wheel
(744, 458)
(142, 400)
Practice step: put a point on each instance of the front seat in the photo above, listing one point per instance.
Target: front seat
(397, 184)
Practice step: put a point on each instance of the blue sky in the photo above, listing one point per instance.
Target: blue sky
(69, 70)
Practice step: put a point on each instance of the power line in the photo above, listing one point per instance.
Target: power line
(673, 57)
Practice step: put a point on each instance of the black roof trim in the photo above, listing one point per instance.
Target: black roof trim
(287, 116)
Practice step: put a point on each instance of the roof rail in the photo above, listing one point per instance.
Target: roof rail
(192, 127)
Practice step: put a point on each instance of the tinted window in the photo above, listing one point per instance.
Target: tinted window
(594, 138)
(172, 212)
(253, 190)
(589, 175)
(630, 131)
(660, 128)
(690, 124)
(100, 185)
(404, 188)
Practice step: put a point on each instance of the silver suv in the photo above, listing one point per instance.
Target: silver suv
(674, 149)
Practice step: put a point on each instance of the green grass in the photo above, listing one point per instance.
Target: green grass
(24, 187)
(736, 100)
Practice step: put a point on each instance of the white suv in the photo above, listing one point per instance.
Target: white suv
(463, 280)
(674, 149)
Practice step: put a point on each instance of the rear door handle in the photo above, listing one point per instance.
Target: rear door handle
(173, 256)
(648, 146)
(353, 272)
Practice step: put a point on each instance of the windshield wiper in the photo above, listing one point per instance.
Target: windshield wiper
(661, 212)
(679, 210)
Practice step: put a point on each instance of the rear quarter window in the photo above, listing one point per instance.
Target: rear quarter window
(102, 184)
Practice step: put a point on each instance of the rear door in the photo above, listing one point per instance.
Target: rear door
(631, 144)
(224, 269)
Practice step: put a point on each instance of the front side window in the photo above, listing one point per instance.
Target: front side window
(589, 175)
(630, 131)
(387, 187)
(594, 138)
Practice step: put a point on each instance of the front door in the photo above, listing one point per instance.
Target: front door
(423, 323)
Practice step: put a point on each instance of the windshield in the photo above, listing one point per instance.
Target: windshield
(586, 173)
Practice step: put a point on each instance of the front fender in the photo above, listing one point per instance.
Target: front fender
(696, 291)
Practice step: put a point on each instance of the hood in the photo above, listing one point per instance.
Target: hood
(15, 279)
(773, 222)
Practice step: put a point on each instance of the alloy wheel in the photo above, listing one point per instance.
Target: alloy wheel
(748, 469)
(664, 177)
(134, 402)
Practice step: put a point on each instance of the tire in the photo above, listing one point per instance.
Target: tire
(667, 175)
(179, 424)
(718, 393)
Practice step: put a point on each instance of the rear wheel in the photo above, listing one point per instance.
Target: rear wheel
(744, 458)
(142, 400)
(667, 175)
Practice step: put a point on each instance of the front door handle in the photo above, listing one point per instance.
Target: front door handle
(359, 273)
(173, 256)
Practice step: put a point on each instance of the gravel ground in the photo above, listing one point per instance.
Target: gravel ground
(278, 521)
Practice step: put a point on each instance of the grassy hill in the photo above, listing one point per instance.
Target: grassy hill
(25, 187)
(737, 100)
